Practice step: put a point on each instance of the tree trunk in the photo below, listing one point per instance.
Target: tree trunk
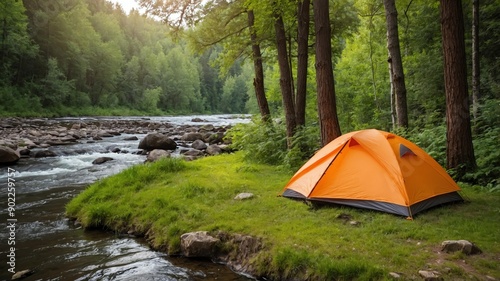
(392, 96)
(476, 92)
(327, 108)
(398, 78)
(459, 149)
(302, 61)
(285, 74)
(258, 81)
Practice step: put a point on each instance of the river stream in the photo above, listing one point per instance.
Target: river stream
(53, 248)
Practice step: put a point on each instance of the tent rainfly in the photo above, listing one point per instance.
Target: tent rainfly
(375, 170)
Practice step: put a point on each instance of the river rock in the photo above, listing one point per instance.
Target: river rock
(191, 136)
(199, 144)
(464, 246)
(207, 128)
(156, 154)
(214, 149)
(215, 138)
(198, 244)
(157, 141)
(45, 153)
(133, 138)
(197, 119)
(8, 155)
(193, 152)
(101, 160)
(24, 152)
(22, 274)
(8, 144)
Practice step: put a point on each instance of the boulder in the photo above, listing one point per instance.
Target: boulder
(156, 154)
(101, 160)
(45, 153)
(214, 149)
(198, 244)
(216, 138)
(8, 155)
(193, 152)
(464, 246)
(207, 127)
(24, 152)
(199, 145)
(157, 141)
(191, 136)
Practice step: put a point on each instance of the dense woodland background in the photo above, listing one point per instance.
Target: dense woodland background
(89, 57)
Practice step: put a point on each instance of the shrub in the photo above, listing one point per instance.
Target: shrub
(266, 143)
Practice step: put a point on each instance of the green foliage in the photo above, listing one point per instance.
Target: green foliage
(363, 100)
(234, 95)
(150, 99)
(432, 141)
(265, 142)
(83, 54)
(55, 88)
(260, 141)
(486, 142)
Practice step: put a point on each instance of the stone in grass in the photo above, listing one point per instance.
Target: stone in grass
(464, 246)
(243, 196)
(157, 154)
(430, 275)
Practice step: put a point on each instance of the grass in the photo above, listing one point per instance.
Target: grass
(171, 197)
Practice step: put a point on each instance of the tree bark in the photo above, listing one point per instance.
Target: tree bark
(302, 61)
(327, 108)
(459, 149)
(285, 74)
(476, 82)
(258, 81)
(398, 78)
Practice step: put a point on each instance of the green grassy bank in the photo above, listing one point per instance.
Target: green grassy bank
(171, 197)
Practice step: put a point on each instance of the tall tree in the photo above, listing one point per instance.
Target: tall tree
(476, 81)
(396, 63)
(258, 81)
(15, 44)
(327, 108)
(303, 14)
(459, 149)
(285, 75)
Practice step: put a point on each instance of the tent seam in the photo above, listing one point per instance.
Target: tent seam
(324, 172)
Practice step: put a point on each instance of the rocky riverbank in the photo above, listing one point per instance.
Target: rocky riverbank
(21, 137)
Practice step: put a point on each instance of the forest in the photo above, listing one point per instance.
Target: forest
(90, 57)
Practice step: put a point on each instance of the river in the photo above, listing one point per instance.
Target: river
(47, 243)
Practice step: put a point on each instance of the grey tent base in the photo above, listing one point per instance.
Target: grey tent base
(384, 206)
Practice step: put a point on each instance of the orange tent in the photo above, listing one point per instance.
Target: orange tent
(375, 170)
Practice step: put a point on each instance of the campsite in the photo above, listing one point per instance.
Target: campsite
(361, 142)
(298, 241)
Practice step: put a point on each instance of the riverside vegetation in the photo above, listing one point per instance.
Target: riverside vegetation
(170, 197)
